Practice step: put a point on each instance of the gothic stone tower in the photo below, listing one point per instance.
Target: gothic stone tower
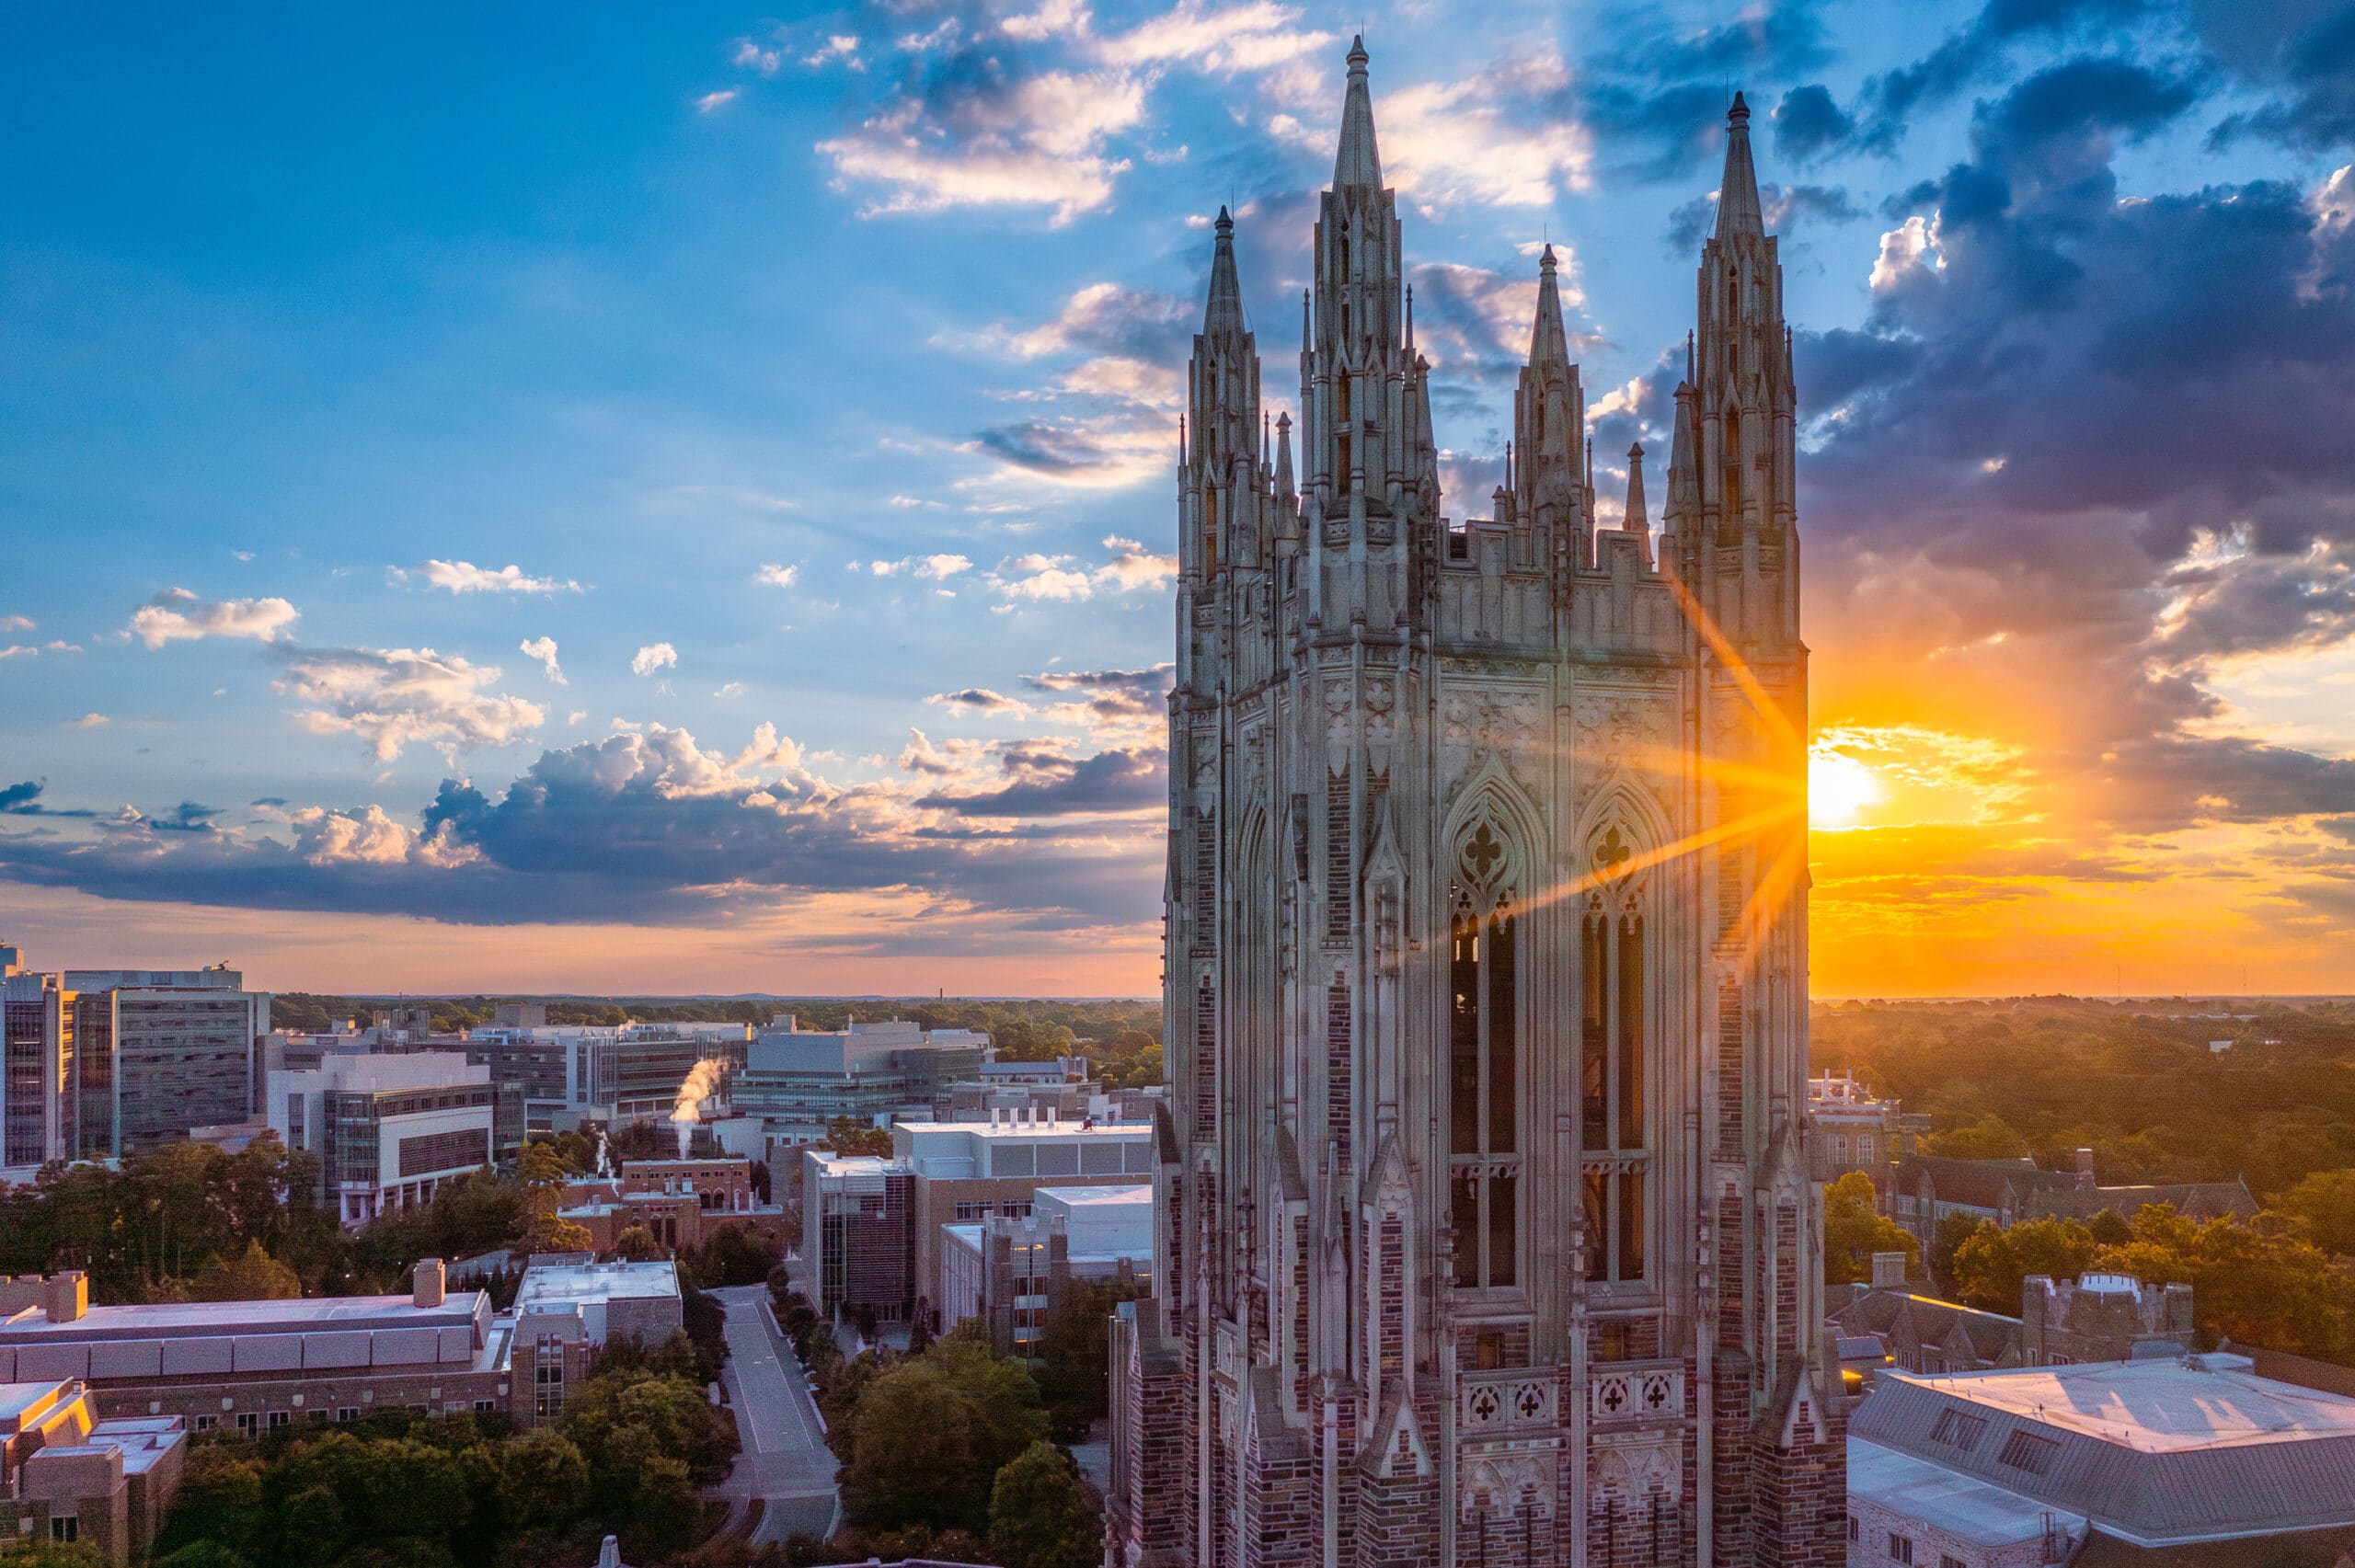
(1487, 1233)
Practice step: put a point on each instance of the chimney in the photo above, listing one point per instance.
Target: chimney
(2085, 1169)
(1888, 1271)
(69, 1296)
(427, 1283)
(610, 1555)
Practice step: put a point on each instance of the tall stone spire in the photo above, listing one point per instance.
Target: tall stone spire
(1549, 343)
(1223, 312)
(1549, 424)
(1358, 162)
(1739, 216)
(1635, 522)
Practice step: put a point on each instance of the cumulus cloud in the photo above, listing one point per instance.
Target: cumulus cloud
(772, 575)
(1042, 783)
(464, 576)
(14, 624)
(543, 650)
(1036, 576)
(977, 700)
(653, 657)
(392, 698)
(178, 615)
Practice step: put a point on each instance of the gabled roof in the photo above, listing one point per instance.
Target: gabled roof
(2198, 1200)
(1979, 1182)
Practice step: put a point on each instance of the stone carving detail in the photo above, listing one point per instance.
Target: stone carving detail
(1503, 722)
(1514, 1400)
(1638, 732)
(1636, 1393)
(1649, 1463)
(1516, 1485)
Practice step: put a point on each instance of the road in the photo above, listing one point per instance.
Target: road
(786, 1460)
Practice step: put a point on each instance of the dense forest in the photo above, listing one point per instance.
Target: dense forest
(2135, 1082)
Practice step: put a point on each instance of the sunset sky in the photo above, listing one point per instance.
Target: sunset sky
(679, 499)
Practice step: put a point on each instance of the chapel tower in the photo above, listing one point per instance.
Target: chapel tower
(1487, 1233)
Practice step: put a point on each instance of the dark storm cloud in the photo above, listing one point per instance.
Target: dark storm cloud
(1788, 210)
(1112, 696)
(1807, 124)
(1049, 785)
(1044, 448)
(2111, 413)
(1966, 57)
(630, 829)
(2303, 53)
(1657, 112)
(24, 800)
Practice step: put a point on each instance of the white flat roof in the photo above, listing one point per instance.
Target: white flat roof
(173, 1317)
(1122, 1195)
(1980, 1513)
(564, 1285)
(2161, 1405)
(1066, 1128)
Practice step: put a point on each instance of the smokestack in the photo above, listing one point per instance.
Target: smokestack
(702, 1083)
(428, 1282)
(2085, 1169)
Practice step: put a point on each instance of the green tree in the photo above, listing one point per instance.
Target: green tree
(1854, 1232)
(2324, 1201)
(848, 1135)
(2109, 1228)
(1040, 1514)
(219, 1501)
(733, 1255)
(1950, 1232)
(1989, 1137)
(1990, 1268)
(637, 1245)
(928, 1435)
(1073, 1349)
(544, 1482)
(56, 1554)
(2249, 1285)
(252, 1275)
(201, 1555)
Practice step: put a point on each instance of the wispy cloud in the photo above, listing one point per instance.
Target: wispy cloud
(178, 615)
(464, 576)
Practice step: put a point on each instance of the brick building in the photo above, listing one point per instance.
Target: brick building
(67, 1475)
(680, 1202)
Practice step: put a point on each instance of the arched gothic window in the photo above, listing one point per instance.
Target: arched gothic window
(1484, 1063)
(1613, 1037)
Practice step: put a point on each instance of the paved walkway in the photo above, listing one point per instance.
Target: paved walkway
(786, 1460)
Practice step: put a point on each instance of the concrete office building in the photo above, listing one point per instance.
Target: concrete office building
(798, 1080)
(859, 1234)
(38, 1105)
(1007, 1272)
(70, 1477)
(2168, 1460)
(576, 1074)
(251, 1367)
(388, 1130)
(163, 1051)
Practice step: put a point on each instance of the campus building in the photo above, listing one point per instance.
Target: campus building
(2166, 1459)
(1851, 1128)
(251, 1367)
(1007, 1272)
(389, 1130)
(569, 1307)
(796, 1081)
(575, 1074)
(69, 1476)
(680, 1202)
(1930, 1188)
(1491, 1233)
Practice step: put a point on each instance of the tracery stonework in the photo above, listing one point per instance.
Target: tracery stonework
(1486, 1235)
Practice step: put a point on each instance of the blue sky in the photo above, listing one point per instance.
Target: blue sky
(813, 369)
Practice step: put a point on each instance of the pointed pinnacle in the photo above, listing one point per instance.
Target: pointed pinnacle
(1357, 162)
(1739, 215)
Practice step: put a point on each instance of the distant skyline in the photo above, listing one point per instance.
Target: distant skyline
(680, 502)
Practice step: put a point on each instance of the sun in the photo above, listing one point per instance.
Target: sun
(1839, 787)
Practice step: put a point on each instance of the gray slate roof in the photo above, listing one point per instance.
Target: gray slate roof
(2157, 1452)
